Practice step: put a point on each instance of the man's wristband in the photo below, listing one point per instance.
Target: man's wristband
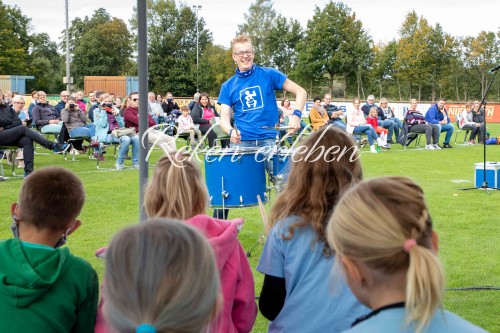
(297, 113)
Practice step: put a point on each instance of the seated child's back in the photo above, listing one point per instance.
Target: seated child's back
(45, 288)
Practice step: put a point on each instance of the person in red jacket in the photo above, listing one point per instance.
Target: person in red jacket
(155, 136)
(372, 119)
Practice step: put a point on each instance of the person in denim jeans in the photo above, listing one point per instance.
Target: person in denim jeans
(107, 119)
(389, 114)
(250, 94)
(438, 115)
(356, 123)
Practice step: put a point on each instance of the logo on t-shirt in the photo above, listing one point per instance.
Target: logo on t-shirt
(251, 98)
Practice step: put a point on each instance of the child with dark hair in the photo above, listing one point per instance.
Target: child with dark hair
(44, 287)
(296, 258)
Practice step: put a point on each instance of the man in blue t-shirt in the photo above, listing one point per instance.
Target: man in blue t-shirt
(250, 93)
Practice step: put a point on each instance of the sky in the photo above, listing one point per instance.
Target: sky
(381, 19)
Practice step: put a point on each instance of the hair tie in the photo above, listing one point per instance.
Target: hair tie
(409, 243)
(145, 328)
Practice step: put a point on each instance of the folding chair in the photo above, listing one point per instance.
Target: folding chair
(461, 130)
(11, 156)
(73, 153)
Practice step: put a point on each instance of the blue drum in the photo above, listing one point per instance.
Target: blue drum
(282, 163)
(235, 177)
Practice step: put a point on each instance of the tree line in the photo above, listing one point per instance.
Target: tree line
(333, 53)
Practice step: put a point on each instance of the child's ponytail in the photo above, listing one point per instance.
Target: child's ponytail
(424, 286)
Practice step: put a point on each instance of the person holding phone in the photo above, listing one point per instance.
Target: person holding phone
(77, 122)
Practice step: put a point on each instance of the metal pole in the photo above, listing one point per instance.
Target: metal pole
(197, 8)
(142, 38)
(68, 83)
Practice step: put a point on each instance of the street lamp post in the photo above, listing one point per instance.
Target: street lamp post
(197, 8)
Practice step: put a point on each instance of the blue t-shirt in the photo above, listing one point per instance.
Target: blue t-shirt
(313, 303)
(253, 101)
(392, 321)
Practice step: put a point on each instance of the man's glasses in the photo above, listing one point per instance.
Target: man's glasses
(241, 54)
(64, 95)
(135, 99)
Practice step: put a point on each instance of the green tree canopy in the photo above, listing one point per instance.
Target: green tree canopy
(102, 46)
(335, 46)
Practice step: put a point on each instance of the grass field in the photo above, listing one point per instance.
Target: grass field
(468, 222)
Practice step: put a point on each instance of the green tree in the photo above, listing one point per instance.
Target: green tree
(335, 46)
(216, 66)
(13, 41)
(280, 43)
(104, 49)
(79, 27)
(442, 49)
(413, 54)
(259, 20)
(45, 64)
(172, 46)
(481, 54)
(382, 69)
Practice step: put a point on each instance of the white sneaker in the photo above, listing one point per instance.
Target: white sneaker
(380, 142)
(436, 146)
(373, 150)
(430, 147)
(119, 166)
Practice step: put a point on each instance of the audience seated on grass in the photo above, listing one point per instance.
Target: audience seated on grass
(383, 119)
(155, 109)
(45, 116)
(318, 114)
(415, 121)
(203, 112)
(386, 112)
(334, 113)
(155, 136)
(478, 117)
(356, 124)
(77, 123)
(438, 115)
(296, 259)
(161, 276)
(381, 232)
(13, 133)
(372, 119)
(106, 119)
(44, 287)
(185, 124)
(466, 122)
(177, 190)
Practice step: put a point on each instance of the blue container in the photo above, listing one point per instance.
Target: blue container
(492, 174)
(235, 177)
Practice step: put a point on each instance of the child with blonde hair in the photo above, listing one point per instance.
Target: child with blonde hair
(372, 119)
(382, 234)
(177, 190)
(161, 276)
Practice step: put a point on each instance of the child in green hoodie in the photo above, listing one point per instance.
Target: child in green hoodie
(43, 287)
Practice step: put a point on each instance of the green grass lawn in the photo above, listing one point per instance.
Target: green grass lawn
(467, 222)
